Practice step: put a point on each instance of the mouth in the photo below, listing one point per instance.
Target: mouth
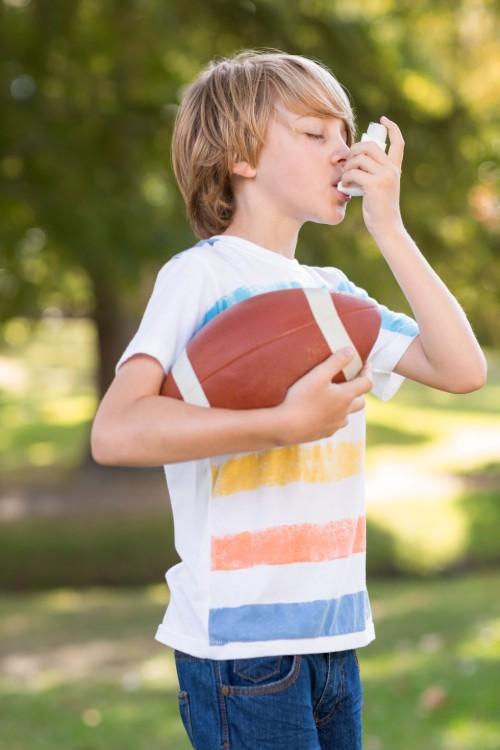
(343, 196)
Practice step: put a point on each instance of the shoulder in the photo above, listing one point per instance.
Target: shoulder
(333, 277)
(190, 261)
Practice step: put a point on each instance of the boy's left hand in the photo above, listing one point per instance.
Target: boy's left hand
(378, 174)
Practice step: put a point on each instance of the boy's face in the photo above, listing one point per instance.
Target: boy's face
(302, 158)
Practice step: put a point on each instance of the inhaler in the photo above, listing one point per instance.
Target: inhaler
(376, 133)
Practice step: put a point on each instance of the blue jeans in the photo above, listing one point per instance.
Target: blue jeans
(292, 702)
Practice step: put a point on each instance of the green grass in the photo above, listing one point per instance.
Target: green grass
(47, 394)
(432, 485)
(81, 669)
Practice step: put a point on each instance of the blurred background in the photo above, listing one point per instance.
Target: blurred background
(90, 211)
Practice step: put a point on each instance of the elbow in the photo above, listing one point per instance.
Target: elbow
(475, 381)
(101, 447)
(468, 387)
(99, 453)
(481, 376)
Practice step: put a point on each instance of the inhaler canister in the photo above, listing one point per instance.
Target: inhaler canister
(377, 133)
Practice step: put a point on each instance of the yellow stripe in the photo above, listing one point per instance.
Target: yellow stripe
(323, 462)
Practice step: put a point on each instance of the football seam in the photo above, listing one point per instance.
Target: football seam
(260, 346)
(312, 323)
(271, 341)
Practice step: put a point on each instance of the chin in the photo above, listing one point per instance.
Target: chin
(331, 220)
(335, 215)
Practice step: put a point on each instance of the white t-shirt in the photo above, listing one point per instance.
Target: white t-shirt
(272, 543)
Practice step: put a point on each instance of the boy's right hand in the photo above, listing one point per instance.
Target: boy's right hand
(314, 407)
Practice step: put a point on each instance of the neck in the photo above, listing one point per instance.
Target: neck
(275, 239)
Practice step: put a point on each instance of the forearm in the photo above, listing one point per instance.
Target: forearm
(158, 430)
(446, 335)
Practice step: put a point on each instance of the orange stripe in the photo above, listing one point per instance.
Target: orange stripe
(290, 544)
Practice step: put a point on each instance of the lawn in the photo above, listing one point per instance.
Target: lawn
(80, 669)
(432, 466)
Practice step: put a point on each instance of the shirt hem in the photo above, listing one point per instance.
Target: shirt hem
(240, 650)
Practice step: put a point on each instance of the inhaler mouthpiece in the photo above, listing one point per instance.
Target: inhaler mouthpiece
(377, 133)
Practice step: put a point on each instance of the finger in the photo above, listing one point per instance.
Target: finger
(339, 359)
(364, 385)
(363, 161)
(396, 139)
(335, 362)
(364, 380)
(368, 148)
(354, 388)
(365, 370)
(357, 177)
(357, 404)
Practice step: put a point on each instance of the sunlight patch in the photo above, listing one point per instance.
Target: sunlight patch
(484, 643)
(471, 734)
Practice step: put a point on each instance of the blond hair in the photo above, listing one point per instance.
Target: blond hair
(223, 117)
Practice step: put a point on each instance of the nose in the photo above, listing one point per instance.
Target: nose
(341, 154)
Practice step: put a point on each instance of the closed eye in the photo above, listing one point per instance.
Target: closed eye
(314, 135)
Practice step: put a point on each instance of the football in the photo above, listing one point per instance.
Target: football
(250, 354)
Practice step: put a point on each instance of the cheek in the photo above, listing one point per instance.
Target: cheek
(283, 177)
(298, 173)
(286, 160)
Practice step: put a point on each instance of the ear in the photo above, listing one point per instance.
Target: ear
(244, 169)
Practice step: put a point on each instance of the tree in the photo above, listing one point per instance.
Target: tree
(90, 91)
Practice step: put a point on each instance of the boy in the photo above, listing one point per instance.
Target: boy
(269, 603)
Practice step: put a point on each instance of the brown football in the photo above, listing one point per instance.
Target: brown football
(250, 354)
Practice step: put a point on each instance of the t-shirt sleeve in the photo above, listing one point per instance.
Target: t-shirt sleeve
(397, 332)
(184, 290)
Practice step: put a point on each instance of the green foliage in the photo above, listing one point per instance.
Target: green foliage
(128, 549)
(108, 549)
(90, 92)
(483, 512)
(419, 538)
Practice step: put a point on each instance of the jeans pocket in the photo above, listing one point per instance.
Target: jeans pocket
(261, 675)
(185, 712)
(257, 669)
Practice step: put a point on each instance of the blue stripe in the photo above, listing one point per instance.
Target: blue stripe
(208, 241)
(395, 322)
(269, 622)
(241, 293)
(391, 321)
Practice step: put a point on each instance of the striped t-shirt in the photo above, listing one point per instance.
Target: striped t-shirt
(272, 543)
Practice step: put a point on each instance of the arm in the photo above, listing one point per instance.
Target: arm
(134, 426)
(446, 354)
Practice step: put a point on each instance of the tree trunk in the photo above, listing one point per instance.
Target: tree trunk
(115, 327)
